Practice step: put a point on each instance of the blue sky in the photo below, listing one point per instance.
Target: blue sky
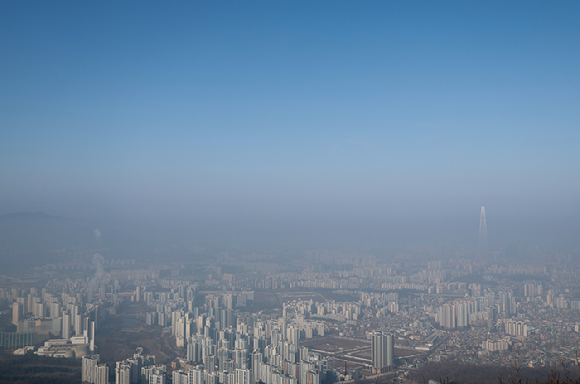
(290, 109)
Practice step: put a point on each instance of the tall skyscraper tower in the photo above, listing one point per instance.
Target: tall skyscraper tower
(482, 234)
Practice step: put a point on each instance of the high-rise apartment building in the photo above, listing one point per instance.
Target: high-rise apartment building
(89, 368)
(66, 325)
(102, 374)
(244, 376)
(382, 350)
(123, 372)
(16, 312)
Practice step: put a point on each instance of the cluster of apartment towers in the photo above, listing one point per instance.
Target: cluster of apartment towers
(50, 317)
(277, 359)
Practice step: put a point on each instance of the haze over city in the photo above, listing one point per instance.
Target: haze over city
(154, 154)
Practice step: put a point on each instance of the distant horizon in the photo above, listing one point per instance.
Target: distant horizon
(333, 124)
(333, 233)
(290, 110)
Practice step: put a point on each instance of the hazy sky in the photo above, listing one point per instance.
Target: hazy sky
(289, 109)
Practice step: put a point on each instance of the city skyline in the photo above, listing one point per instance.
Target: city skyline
(287, 192)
